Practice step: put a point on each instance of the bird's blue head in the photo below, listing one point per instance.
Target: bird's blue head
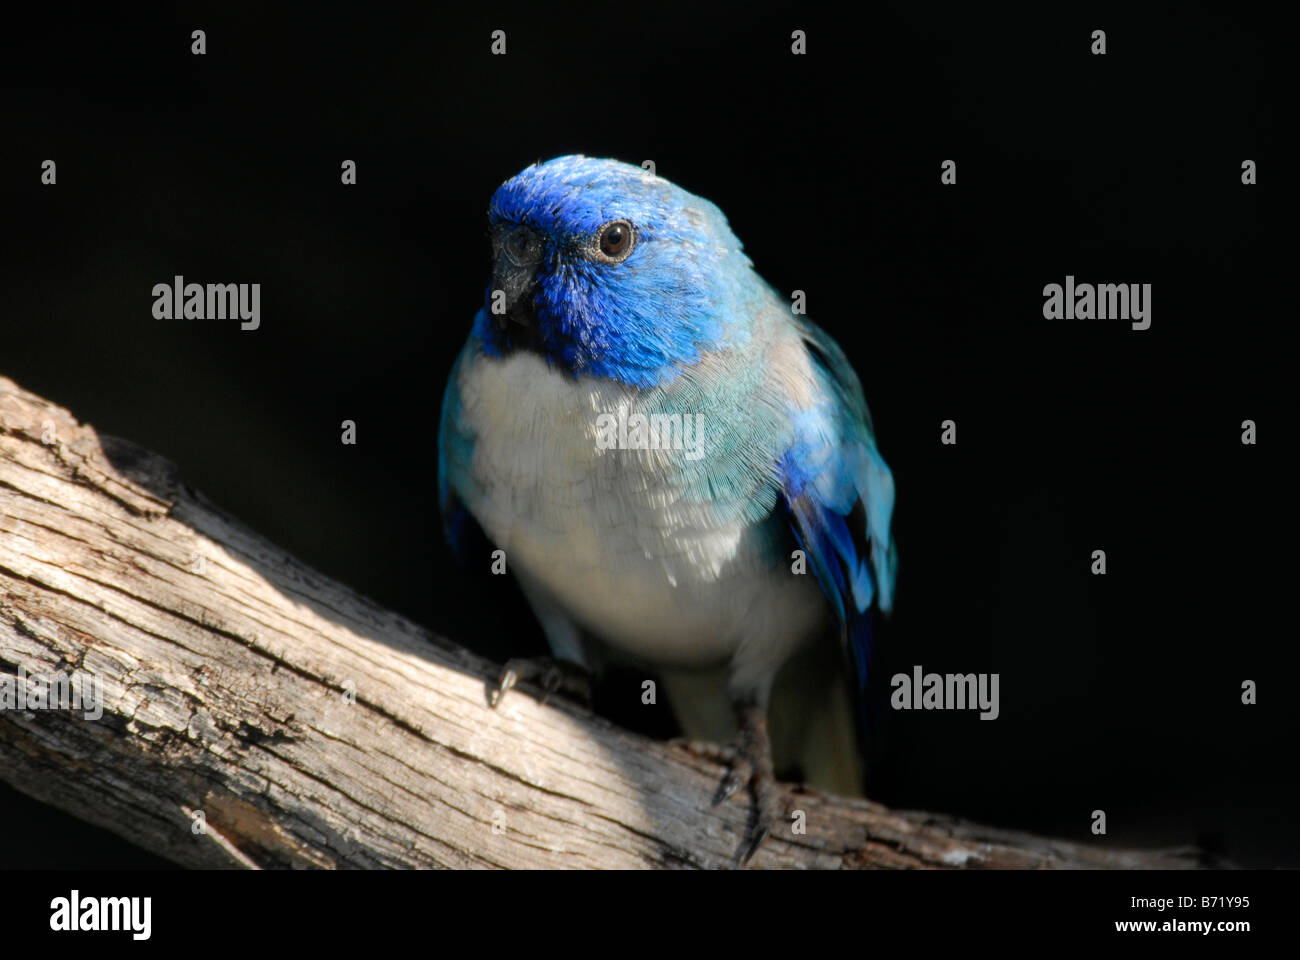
(610, 271)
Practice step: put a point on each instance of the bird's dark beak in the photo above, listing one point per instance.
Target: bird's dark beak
(517, 255)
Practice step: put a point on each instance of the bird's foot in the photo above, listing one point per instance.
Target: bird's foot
(749, 763)
(553, 676)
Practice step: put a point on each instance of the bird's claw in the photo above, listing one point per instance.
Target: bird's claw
(732, 781)
(553, 676)
(748, 764)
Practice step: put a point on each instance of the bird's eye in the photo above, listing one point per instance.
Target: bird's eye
(616, 239)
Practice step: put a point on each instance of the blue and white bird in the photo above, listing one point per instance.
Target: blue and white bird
(681, 470)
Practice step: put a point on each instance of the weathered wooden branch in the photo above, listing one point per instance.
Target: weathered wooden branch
(257, 714)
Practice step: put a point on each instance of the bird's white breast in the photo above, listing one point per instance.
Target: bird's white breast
(606, 530)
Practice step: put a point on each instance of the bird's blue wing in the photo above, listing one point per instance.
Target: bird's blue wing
(453, 441)
(839, 494)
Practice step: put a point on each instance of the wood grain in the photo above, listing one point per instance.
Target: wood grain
(257, 714)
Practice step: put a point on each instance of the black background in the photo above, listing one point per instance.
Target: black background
(1119, 692)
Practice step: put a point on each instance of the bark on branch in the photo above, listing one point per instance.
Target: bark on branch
(301, 725)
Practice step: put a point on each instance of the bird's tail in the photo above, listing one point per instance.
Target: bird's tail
(814, 722)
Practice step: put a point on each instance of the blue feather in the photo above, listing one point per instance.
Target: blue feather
(455, 518)
(840, 496)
